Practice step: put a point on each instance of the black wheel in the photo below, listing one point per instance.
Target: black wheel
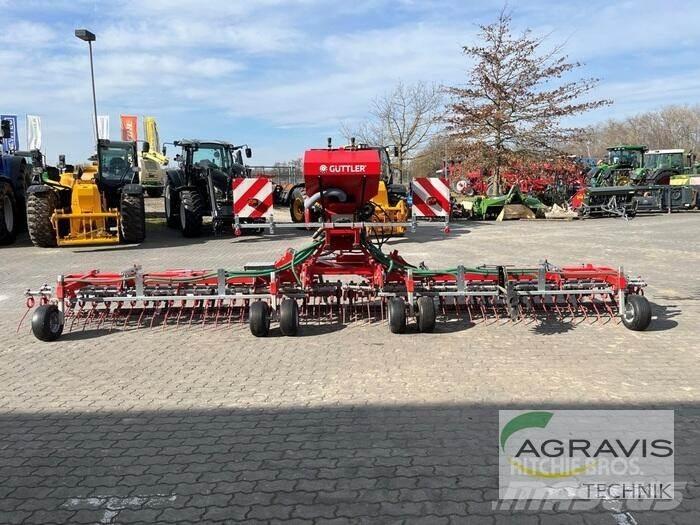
(154, 192)
(289, 317)
(259, 319)
(637, 314)
(397, 315)
(296, 205)
(425, 314)
(172, 205)
(46, 323)
(133, 212)
(190, 213)
(8, 215)
(40, 208)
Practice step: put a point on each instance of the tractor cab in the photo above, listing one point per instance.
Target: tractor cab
(619, 167)
(117, 162)
(662, 164)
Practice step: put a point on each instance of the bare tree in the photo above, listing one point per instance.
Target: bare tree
(669, 127)
(406, 118)
(514, 99)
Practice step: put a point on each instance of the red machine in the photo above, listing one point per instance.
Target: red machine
(342, 275)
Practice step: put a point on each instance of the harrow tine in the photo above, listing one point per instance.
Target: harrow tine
(194, 308)
(206, 313)
(179, 313)
(19, 325)
(143, 311)
(103, 315)
(167, 313)
(217, 306)
(75, 316)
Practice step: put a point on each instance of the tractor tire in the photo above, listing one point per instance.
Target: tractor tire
(133, 212)
(425, 314)
(154, 192)
(190, 213)
(8, 215)
(171, 202)
(259, 319)
(40, 208)
(296, 205)
(637, 314)
(289, 317)
(397, 315)
(663, 178)
(46, 323)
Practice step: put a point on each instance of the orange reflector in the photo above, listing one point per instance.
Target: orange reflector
(253, 203)
(432, 201)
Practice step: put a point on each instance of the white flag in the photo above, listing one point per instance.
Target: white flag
(103, 126)
(33, 132)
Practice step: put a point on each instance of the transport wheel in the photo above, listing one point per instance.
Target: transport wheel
(637, 314)
(133, 212)
(40, 208)
(190, 213)
(289, 317)
(8, 215)
(425, 314)
(46, 323)
(172, 203)
(296, 205)
(397, 315)
(259, 319)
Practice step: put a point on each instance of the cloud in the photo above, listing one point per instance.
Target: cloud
(281, 72)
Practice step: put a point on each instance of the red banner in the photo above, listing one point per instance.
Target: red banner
(130, 127)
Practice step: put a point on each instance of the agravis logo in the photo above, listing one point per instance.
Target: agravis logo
(587, 453)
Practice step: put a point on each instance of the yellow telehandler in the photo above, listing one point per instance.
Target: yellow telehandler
(101, 203)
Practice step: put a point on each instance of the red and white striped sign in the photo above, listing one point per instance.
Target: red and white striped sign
(252, 197)
(431, 197)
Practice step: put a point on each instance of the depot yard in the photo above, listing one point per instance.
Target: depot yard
(344, 422)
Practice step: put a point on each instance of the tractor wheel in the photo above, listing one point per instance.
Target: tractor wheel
(46, 323)
(296, 205)
(637, 314)
(40, 208)
(190, 213)
(172, 205)
(289, 317)
(397, 315)
(133, 214)
(425, 314)
(8, 215)
(154, 192)
(259, 319)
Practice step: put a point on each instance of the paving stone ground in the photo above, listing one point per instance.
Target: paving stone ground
(345, 424)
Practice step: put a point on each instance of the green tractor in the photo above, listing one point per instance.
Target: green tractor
(660, 166)
(619, 167)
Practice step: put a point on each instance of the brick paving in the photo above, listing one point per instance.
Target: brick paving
(343, 424)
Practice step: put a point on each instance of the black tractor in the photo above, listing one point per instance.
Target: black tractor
(15, 176)
(202, 185)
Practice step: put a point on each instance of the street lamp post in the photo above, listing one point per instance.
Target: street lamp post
(89, 37)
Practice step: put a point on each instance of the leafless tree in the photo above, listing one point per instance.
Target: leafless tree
(669, 127)
(406, 118)
(515, 97)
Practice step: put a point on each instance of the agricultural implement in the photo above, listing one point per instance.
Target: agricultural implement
(341, 276)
